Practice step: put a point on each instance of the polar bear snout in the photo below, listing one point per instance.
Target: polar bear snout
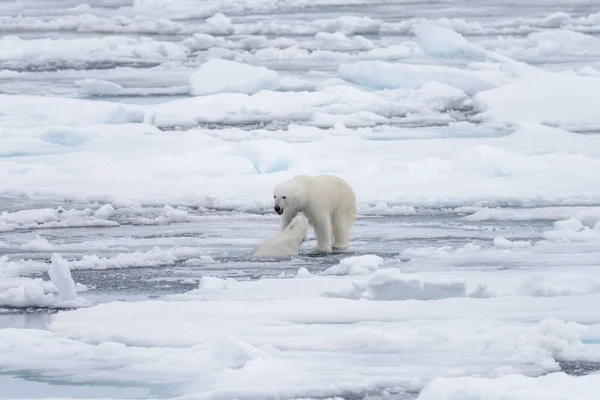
(278, 209)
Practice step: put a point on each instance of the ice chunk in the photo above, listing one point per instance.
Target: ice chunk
(383, 208)
(175, 215)
(339, 40)
(29, 293)
(220, 24)
(384, 75)
(349, 24)
(356, 265)
(200, 41)
(572, 230)
(503, 243)
(440, 41)
(150, 258)
(78, 52)
(98, 87)
(60, 274)
(39, 244)
(391, 284)
(572, 223)
(221, 76)
(548, 97)
(303, 273)
(50, 218)
(106, 211)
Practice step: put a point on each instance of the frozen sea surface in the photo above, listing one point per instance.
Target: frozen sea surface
(140, 142)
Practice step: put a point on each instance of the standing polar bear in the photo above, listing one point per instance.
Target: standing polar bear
(288, 242)
(328, 202)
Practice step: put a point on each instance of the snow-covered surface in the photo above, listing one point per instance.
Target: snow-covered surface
(140, 142)
(224, 76)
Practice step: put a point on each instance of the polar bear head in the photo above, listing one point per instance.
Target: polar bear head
(299, 226)
(287, 196)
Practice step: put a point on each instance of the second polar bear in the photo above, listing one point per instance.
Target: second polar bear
(288, 242)
(328, 202)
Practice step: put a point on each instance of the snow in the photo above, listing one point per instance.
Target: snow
(517, 387)
(36, 112)
(223, 76)
(139, 146)
(504, 243)
(391, 284)
(550, 98)
(328, 343)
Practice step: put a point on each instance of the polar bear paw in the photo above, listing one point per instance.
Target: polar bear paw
(323, 248)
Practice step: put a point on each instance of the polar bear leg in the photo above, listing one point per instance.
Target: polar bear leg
(322, 227)
(341, 233)
(342, 220)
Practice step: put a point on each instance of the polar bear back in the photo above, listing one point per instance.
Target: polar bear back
(335, 195)
(288, 242)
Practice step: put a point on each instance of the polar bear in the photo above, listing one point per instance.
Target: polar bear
(328, 202)
(288, 242)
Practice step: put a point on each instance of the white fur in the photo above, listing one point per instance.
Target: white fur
(328, 202)
(288, 242)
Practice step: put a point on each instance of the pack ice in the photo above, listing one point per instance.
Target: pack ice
(140, 142)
